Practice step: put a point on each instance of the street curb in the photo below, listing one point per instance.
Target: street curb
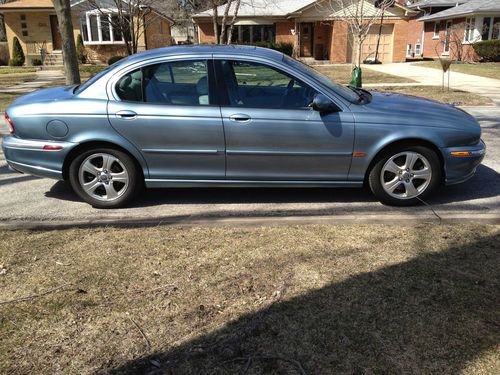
(257, 221)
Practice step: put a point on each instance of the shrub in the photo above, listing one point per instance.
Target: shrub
(114, 59)
(488, 50)
(18, 57)
(36, 62)
(286, 48)
(81, 52)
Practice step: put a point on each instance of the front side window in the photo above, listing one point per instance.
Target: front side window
(256, 85)
(177, 83)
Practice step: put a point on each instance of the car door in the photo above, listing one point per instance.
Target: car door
(168, 110)
(271, 131)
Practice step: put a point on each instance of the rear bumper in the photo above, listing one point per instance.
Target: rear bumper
(460, 168)
(32, 157)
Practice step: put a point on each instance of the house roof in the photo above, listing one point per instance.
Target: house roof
(27, 4)
(470, 7)
(436, 3)
(252, 8)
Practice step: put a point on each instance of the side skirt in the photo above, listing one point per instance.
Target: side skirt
(165, 183)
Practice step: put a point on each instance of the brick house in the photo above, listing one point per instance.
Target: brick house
(314, 27)
(448, 28)
(34, 23)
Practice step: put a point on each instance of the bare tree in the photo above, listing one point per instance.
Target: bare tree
(72, 70)
(360, 16)
(129, 18)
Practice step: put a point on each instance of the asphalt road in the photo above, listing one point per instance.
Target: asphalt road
(27, 200)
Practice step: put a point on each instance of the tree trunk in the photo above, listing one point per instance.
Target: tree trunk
(224, 20)
(63, 11)
(235, 15)
(215, 17)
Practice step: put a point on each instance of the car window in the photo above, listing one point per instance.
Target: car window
(129, 87)
(252, 84)
(179, 82)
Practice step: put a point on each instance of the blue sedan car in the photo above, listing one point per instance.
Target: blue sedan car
(236, 116)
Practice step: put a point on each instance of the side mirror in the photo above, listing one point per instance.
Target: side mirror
(324, 105)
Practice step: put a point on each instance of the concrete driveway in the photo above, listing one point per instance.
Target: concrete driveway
(27, 201)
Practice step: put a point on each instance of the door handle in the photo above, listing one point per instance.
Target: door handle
(126, 115)
(240, 117)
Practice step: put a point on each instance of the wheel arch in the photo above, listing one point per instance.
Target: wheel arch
(404, 143)
(142, 168)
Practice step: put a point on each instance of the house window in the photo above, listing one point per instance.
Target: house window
(469, 30)
(408, 50)
(252, 33)
(418, 49)
(485, 30)
(495, 33)
(97, 28)
(25, 32)
(436, 30)
(23, 17)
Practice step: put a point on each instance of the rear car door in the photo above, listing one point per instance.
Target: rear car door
(169, 111)
(273, 134)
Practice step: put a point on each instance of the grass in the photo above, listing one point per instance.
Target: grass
(489, 70)
(336, 299)
(14, 70)
(457, 97)
(88, 71)
(6, 99)
(342, 74)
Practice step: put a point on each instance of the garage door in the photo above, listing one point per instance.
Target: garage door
(385, 46)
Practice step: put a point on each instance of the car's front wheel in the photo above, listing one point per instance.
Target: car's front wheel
(104, 178)
(404, 176)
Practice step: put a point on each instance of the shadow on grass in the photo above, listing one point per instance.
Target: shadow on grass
(436, 313)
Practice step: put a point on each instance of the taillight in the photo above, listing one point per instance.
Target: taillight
(9, 121)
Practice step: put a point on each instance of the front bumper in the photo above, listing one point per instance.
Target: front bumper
(44, 158)
(460, 163)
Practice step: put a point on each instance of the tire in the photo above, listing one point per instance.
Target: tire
(404, 176)
(105, 177)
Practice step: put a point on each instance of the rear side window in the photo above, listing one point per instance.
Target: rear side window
(177, 83)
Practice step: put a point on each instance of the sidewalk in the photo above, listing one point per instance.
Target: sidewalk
(43, 79)
(433, 77)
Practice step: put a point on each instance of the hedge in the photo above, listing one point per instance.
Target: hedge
(286, 48)
(114, 59)
(488, 50)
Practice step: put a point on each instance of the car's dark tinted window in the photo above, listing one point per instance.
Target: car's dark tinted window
(129, 87)
(252, 84)
(179, 82)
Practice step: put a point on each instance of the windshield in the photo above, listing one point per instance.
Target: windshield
(342, 90)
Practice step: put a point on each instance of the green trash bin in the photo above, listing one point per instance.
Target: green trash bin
(356, 80)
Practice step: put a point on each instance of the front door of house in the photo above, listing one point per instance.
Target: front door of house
(56, 35)
(306, 39)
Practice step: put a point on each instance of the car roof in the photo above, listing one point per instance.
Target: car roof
(205, 49)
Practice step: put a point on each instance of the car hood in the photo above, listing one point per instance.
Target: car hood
(407, 110)
(45, 95)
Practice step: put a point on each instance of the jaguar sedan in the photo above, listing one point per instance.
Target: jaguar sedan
(218, 116)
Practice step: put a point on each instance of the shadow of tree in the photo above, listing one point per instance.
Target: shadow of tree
(435, 313)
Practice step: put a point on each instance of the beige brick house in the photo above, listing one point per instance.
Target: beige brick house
(315, 28)
(34, 23)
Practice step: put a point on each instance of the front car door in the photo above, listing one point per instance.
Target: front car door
(168, 110)
(273, 134)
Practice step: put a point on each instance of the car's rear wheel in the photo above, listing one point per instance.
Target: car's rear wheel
(105, 177)
(406, 175)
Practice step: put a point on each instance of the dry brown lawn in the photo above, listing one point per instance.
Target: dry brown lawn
(342, 74)
(327, 299)
(488, 70)
(457, 97)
